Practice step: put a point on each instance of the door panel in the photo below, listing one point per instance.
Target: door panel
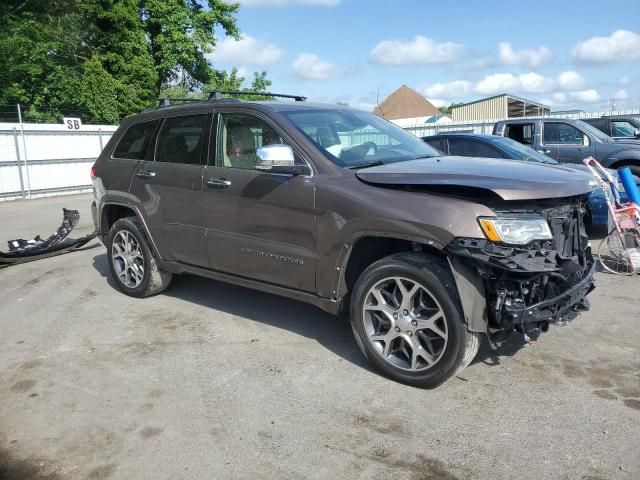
(259, 225)
(564, 142)
(170, 193)
(172, 204)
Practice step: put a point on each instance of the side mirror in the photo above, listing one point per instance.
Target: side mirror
(278, 158)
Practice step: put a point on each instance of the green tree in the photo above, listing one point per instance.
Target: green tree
(104, 59)
(181, 33)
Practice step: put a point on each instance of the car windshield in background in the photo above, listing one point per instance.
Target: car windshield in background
(351, 138)
(603, 137)
(522, 152)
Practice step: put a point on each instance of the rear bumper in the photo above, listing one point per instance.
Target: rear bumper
(559, 309)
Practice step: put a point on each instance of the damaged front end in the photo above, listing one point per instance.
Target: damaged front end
(526, 287)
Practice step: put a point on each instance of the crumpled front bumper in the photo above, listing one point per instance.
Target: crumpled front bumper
(559, 309)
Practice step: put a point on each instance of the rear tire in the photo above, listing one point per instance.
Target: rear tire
(132, 263)
(407, 320)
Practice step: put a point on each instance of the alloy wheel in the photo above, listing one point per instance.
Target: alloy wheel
(405, 324)
(127, 258)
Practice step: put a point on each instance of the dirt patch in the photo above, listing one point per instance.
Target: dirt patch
(13, 468)
(23, 386)
(418, 468)
(31, 364)
(632, 403)
(384, 426)
(150, 432)
(155, 393)
(102, 472)
(606, 394)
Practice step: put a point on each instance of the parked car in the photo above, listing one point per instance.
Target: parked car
(344, 210)
(571, 141)
(617, 127)
(492, 146)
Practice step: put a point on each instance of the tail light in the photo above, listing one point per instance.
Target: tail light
(93, 172)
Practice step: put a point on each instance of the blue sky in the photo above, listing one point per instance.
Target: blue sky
(565, 53)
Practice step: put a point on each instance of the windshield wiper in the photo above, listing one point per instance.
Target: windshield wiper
(374, 163)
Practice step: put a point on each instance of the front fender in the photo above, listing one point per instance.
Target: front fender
(626, 156)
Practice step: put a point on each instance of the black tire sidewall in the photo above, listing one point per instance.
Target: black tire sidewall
(129, 225)
(440, 289)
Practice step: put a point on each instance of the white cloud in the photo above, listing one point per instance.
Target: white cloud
(625, 80)
(529, 57)
(455, 89)
(419, 51)
(529, 83)
(586, 96)
(439, 102)
(620, 45)
(621, 94)
(498, 83)
(286, 3)
(535, 83)
(309, 66)
(570, 80)
(249, 50)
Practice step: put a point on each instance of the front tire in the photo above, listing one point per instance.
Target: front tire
(407, 320)
(133, 266)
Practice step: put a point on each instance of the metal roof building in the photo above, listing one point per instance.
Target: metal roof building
(498, 107)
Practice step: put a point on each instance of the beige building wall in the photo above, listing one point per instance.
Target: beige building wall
(489, 109)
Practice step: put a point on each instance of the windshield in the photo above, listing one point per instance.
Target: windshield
(352, 138)
(603, 137)
(518, 151)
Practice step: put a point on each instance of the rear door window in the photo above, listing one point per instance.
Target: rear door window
(520, 132)
(135, 142)
(470, 148)
(182, 139)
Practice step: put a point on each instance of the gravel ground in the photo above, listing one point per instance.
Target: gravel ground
(209, 381)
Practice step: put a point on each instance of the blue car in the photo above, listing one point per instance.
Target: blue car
(492, 146)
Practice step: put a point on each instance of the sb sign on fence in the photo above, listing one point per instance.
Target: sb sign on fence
(72, 123)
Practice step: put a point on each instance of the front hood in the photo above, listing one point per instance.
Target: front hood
(510, 180)
(629, 141)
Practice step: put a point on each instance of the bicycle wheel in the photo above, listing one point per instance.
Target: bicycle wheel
(620, 253)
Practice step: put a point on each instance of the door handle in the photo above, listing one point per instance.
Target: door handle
(145, 174)
(219, 182)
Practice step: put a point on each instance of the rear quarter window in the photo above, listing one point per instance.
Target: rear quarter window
(135, 141)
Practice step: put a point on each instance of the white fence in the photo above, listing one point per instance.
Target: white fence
(47, 159)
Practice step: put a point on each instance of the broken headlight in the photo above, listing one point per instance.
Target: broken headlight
(514, 230)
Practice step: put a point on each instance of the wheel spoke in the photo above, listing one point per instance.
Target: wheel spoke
(430, 323)
(381, 305)
(406, 293)
(418, 352)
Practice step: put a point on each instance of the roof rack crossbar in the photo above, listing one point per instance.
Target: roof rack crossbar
(167, 102)
(217, 95)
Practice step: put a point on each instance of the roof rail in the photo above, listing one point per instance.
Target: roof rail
(217, 95)
(167, 102)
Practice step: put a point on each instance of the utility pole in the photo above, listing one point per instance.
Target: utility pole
(24, 149)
